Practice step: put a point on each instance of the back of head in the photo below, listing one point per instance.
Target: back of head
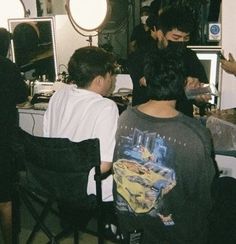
(152, 21)
(164, 73)
(26, 37)
(145, 10)
(86, 63)
(176, 17)
(5, 38)
(155, 6)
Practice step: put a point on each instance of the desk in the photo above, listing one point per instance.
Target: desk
(31, 121)
(222, 125)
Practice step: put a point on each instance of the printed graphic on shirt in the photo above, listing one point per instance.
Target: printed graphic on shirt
(144, 174)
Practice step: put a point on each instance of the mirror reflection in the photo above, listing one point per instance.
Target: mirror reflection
(33, 47)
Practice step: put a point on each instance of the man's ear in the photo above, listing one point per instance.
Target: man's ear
(98, 81)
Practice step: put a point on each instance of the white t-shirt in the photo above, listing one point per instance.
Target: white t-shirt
(79, 114)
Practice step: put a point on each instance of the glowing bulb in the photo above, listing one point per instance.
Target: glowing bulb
(88, 14)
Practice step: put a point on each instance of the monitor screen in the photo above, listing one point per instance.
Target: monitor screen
(211, 63)
(33, 47)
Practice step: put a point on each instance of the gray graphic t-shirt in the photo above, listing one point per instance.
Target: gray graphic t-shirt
(159, 164)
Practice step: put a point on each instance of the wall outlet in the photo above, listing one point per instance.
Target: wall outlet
(225, 171)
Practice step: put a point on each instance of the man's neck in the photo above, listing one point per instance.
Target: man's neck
(161, 109)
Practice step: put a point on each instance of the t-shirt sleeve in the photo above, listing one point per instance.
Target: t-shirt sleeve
(194, 67)
(105, 130)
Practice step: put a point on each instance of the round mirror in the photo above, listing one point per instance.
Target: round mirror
(11, 9)
(87, 15)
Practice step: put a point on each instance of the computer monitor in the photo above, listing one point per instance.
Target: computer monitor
(33, 47)
(209, 57)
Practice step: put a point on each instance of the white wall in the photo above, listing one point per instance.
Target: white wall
(228, 83)
(57, 7)
(31, 5)
(67, 41)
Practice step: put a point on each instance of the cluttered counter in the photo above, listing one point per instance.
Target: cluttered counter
(222, 125)
(31, 120)
(31, 113)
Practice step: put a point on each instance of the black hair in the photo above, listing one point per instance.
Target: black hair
(152, 21)
(26, 42)
(5, 38)
(88, 62)
(176, 16)
(155, 6)
(164, 73)
(145, 9)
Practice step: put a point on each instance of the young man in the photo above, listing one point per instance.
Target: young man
(13, 90)
(141, 32)
(171, 29)
(163, 166)
(79, 111)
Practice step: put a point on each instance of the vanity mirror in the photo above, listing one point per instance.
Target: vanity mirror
(33, 47)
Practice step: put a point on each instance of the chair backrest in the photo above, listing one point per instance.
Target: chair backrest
(60, 167)
(222, 219)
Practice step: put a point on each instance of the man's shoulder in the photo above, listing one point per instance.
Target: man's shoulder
(191, 121)
(130, 116)
(60, 91)
(107, 103)
(196, 126)
(138, 28)
(190, 53)
(7, 63)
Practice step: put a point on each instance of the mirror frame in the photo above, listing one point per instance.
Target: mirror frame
(12, 23)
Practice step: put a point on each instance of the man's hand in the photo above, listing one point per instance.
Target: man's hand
(142, 82)
(194, 83)
(229, 66)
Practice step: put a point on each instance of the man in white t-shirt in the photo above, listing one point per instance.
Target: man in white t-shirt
(79, 111)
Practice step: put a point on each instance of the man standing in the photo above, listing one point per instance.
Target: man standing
(13, 90)
(163, 165)
(171, 29)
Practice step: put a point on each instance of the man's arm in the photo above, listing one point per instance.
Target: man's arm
(105, 130)
(194, 83)
(105, 166)
(20, 87)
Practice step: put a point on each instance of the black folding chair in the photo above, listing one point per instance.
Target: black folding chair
(57, 175)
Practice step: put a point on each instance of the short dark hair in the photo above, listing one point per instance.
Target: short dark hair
(176, 16)
(88, 62)
(164, 73)
(5, 38)
(155, 6)
(152, 21)
(145, 9)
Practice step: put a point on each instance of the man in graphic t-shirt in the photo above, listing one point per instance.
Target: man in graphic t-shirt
(163, 165)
